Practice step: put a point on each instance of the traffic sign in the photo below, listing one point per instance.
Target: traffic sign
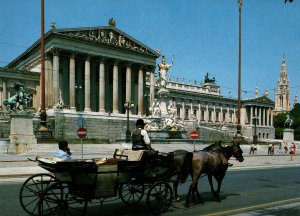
(81, 132)
(194, 135)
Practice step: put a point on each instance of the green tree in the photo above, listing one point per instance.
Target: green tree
(295, 115)
(278, 123)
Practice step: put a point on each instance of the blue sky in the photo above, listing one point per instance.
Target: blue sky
(202, 35)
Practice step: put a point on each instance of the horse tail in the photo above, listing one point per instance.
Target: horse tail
(186, 167)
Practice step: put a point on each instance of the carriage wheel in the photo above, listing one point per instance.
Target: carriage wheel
(57, 200)
(32, 190)
(131, 194)
(159, 197)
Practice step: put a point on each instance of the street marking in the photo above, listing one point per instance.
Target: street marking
(240, 210)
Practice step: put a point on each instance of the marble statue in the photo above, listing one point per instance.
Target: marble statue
(163, 69)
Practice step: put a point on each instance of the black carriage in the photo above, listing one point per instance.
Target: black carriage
(129, 175)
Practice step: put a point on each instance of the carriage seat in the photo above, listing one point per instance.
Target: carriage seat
(47, 160)
(129, 155)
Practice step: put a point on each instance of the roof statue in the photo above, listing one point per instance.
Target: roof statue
(112, 22)
(208, 80)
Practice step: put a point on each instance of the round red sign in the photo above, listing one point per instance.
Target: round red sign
(194, 134)
(81, 132)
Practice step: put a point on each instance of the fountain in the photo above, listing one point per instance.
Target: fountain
(163, 123)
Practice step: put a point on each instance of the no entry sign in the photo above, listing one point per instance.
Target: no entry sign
(81, 132)
(194, 135)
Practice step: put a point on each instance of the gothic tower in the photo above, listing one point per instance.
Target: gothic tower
(282, 92)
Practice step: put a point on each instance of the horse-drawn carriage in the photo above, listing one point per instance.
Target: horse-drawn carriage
(127, 175)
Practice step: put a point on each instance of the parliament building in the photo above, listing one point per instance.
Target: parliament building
(91, 72)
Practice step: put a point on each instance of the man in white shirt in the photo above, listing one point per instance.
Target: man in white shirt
(140, 138)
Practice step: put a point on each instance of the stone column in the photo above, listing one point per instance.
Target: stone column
(48, 82)
(141, 91)
(268, 117)
(87, 85)
(259, 115)
(206, 114)
(4, 93)
(233, 119)
(128, 84)
(251, 115)
(102, 86)
(199, 112)
(263, 116)
(115, 88)
(152, 86)
(182, 111)
(55, 83)
(271, 115)
(72, 83)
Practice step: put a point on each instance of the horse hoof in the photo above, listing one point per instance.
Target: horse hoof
(187, 205)
(201, 202)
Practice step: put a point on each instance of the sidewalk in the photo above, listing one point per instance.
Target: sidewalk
(19, 165)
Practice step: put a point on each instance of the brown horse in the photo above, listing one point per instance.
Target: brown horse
(212, 164)
(213, 161)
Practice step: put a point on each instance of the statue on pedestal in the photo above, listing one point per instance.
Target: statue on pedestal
(20, 100)
(289, 122)
(163, 69)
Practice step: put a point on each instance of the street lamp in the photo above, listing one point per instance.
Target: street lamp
(255, 119)
(77, 88)
(128, 106)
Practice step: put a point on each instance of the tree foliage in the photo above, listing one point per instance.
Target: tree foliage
(279, 120)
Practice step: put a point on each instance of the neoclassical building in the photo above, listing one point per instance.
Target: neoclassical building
(92, 72)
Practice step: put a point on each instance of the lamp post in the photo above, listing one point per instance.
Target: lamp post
(77, 88)
(128, 106)
(43, 115)
(239, 70)
(255, 118)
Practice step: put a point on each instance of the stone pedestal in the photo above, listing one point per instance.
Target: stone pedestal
(163, 98)
(288, 135)
(21, 133)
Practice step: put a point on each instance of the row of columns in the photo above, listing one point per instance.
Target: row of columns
(230, 114)
(87, 83)
(264, 115)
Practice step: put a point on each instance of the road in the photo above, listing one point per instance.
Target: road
(242, 191)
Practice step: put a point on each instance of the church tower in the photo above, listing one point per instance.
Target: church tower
(282, 92)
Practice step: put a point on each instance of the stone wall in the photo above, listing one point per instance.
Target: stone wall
(4, 125)
(99, 128)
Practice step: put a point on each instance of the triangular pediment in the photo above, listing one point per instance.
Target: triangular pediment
(263, 99)
(108, 36)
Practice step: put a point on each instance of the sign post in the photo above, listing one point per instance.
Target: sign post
(81, 133)
(194, 135)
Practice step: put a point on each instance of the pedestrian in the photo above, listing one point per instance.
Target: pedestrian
(269, 149)
(63, 153)
(253, 149)
(285, 148)
(293, 149)
(272, 149)
(140, 138)
(280, 147)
